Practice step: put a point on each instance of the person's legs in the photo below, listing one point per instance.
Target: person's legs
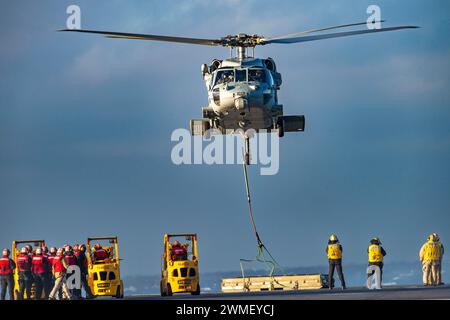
(434, 273)
(28, 285)
(39, 287)
(85, 285)
(438, 272)
(51, 282)
(330, 274)
(10, 281)
(22, 286)
(46, 283)
(372, 272)
(66, 291)
(426, 272)
(4, 287)
(430, 279)
(56, 287)
(381, 273)
(340, 274)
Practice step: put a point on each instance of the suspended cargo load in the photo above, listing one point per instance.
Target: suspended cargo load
(280, 283)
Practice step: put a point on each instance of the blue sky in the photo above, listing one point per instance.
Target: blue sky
(85, 125)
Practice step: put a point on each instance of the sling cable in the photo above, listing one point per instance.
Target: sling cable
(268, 261)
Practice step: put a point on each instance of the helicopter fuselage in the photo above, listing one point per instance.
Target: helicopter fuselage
(242, 94)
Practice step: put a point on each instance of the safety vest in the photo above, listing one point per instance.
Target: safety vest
(100, 254)
(39, 265)
(334, 251)
(5, 266)
(50, 259)
(178, 251)
(432, 251)
(71, 260)
(375, 254)
(23, 262)
(58, 265)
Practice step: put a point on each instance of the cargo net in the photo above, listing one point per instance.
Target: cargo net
(252, 267)
(264, 257)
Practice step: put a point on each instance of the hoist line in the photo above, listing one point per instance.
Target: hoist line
(261, 247)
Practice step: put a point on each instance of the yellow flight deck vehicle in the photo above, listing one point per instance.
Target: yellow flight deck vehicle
(179, 265)
(15, 251)
(104, 267)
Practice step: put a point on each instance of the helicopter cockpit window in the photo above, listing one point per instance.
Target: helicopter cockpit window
(224, 76)
(257, 75)
(241, 75)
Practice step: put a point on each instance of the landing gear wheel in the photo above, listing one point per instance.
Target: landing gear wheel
(196, 292)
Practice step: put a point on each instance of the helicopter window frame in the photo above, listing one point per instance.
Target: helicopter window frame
(267, 76)
(219, 71)
(239, 70)
(268, 79)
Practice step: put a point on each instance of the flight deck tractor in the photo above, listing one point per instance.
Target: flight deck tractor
(179, 265)
(104, 267)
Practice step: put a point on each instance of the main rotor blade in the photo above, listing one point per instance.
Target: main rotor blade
(291, 35)
(123, 35)
(332, 35)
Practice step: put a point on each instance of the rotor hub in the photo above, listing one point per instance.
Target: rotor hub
(241, 40)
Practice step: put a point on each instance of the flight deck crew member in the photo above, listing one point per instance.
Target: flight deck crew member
(439, 266)
(49, 281)
(60, 266)
(50, 257)
(334, 253)
(376, 255)
(179, 253)
(7, 266)
(24, 263)
(40, 269)
(100, 254)
(71, 261)
(76, 251)
(83, 265)
(429, 255)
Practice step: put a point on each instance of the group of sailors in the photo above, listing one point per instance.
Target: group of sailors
(430, 255)
(47, 270)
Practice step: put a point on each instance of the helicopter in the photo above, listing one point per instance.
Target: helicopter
(243, 89)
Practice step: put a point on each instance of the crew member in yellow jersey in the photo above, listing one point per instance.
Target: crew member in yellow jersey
(376, 255)
(334, 253)
(430, 255)
(439, 269)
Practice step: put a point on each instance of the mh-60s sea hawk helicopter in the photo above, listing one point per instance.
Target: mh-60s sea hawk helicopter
(242, 90)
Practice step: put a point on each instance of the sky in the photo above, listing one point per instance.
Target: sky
(85, 126)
